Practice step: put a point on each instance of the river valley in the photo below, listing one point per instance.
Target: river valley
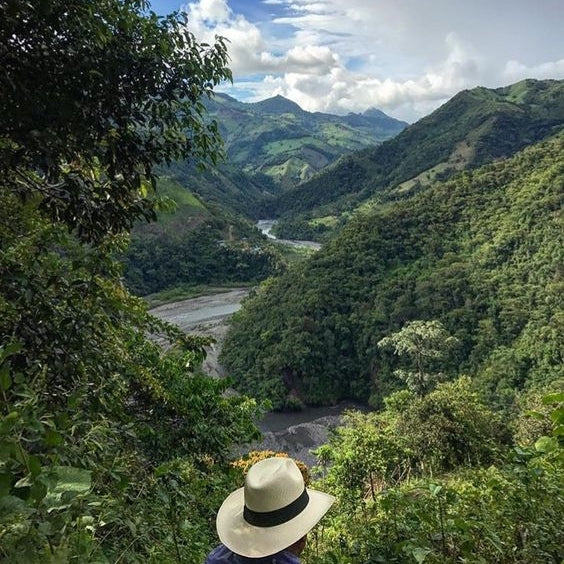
(296, 433)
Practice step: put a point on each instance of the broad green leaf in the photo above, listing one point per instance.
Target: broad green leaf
(420, 554)
(553, 398)
(70, 482)
(546, 444)
(9, 350)
(5, 378)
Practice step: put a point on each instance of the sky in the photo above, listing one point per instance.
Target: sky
(404, 57)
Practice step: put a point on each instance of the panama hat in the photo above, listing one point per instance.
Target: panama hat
(272, 511)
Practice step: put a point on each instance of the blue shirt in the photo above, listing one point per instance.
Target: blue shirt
(222, 555)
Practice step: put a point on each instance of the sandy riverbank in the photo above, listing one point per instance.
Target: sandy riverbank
(205, 315)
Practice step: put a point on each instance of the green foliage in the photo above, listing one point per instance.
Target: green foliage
(420, 341)
(448, 428)
(93, 412)
(481, 254)
(451, 427)
(473, 128)
(93, 96)
(507, 512)
(112, 449)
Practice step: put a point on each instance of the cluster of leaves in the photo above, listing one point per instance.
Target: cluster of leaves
(111, 448)
(104, 438)
(92, 97)
(398, 502)
(481, 254)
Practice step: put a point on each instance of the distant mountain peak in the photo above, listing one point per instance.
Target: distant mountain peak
(278, 105)
(374, 112)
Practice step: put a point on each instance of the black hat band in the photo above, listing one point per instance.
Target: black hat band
(278, 516)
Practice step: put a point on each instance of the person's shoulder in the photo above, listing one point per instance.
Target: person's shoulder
(220, 555)
(286, 557)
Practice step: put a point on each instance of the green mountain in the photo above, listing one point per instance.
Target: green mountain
(273, 145)
(482, 253)
(228, 186)
(277, 138)
(269, 145)
(196, 243)
(475, 127)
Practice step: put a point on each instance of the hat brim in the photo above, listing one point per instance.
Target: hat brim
(253, 542)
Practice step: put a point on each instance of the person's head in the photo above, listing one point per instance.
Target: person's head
(272, 512)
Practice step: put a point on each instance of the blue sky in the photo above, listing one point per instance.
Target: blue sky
(405, 57)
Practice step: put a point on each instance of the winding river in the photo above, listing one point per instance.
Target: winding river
(266, 225)
(295, 433)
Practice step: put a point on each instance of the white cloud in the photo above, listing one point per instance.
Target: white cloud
(515, 71)
(405, 58)
(209, 11)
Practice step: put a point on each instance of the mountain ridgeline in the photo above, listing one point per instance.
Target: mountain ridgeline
(269, 145)
(482, 253)
(277, 138)
(273, 145)
(473, 128)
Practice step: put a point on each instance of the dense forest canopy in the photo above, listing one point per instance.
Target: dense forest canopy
(473, 128)
(481, 253)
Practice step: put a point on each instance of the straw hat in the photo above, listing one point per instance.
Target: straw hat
(272, 511)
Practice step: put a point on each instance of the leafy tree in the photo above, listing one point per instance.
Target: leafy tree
(506, 512)
(452, 427)
(421, 342)
(93, 95)
(112, 449)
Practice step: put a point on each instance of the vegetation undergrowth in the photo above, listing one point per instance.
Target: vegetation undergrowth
(111, 448)
(402, 499)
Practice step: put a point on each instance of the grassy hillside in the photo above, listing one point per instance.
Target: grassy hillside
(228, 186)
(273, 145)
(481, 253)
(475, 127)
(277, 138)
(196, 243)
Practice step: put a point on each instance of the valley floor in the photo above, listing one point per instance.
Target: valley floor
(205, 315)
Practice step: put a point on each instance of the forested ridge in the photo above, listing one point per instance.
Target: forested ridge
(481, 253)
(196, 243)
(471, 129)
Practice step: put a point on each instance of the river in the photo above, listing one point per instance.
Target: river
(266, 225)
(296, 433)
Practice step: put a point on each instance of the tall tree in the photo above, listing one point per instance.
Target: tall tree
(421, 342)
(93, 95)
(103, 435)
